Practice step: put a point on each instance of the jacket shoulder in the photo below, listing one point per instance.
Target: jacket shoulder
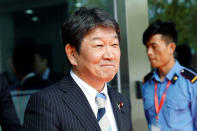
(190, 75)
(148, 76)
(114, 93)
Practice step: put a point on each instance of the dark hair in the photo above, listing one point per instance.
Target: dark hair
(166, 29)
(84, 20)
(23, 56)
(44, 52)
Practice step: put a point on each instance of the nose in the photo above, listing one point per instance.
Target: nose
(108, 53)
(149, 51)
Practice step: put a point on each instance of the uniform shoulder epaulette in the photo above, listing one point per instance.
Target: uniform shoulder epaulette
(192, 77)
(148, 76)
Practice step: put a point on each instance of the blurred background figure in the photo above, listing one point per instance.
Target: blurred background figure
(23, 63)
(184, 56)
(23, 60)
(194, 61)
(42, 66)
(8, 117)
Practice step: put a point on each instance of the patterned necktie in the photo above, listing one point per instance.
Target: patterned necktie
(101, 115)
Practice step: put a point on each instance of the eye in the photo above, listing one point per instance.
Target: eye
(115, 45)
(146, 46)
(99, 45)
(154, 46)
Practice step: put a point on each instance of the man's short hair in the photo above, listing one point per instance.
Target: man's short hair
(166, 29)
(84, 20)
(23, 56)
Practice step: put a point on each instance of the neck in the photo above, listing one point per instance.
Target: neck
(99, 89)
(163, 70)
(94, 84)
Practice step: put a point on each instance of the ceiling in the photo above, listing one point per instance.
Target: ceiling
(15, 5)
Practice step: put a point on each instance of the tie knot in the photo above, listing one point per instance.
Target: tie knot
(100, 100)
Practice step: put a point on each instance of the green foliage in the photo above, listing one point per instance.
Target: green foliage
(182, 13)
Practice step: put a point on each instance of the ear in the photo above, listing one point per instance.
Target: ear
(172, 47)
(71, 54)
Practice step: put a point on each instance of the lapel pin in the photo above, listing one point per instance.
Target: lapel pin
(120, 105)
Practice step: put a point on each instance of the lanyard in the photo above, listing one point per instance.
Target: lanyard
(157, 105)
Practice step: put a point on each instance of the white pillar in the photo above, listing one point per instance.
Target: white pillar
(137, 21)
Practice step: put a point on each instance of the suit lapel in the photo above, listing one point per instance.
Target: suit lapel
(115, 100)
(75, 99)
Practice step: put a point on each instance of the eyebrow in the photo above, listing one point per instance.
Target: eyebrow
(152, 43)
(98, 38)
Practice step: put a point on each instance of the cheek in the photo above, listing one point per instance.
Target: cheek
(158, 53)
(163, 55)
(117, 54)
(95, 57)
(117, 60)
(87, 55)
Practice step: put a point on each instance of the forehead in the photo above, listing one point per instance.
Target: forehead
(101, 31)
(156, 39)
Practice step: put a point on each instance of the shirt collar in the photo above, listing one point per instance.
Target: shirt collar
(175, 69)
(105, 91)
(45, 75)
(87, 88)
(31, 74)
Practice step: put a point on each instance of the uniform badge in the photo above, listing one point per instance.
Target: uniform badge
(174, 78)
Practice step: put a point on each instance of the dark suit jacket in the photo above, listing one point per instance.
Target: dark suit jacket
(33, 83)
(64, 107)
(8, 117)
(55, 76)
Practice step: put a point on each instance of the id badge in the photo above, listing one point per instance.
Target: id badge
(155, 127)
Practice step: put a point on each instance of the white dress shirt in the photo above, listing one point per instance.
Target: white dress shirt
(90, 94)
(45, 75)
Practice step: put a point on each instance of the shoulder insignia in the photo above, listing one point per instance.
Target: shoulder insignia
(192, 77)
(148, 76)
(174, 78)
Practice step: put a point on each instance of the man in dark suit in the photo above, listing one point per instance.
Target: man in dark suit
(8, 117)
(91, 40)
(42, 66)
(23, 62)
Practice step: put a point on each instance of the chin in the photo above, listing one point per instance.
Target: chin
(154, 65)
(108, 77)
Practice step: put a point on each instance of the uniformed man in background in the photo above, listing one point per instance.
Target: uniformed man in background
(170, 90)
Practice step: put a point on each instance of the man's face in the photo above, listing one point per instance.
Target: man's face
(40, 65)
(159, 52)
(99, 57)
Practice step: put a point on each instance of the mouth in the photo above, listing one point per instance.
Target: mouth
(108, 65)
(151, 59)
